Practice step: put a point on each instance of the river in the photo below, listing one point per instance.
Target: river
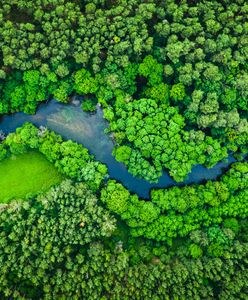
(72, 123)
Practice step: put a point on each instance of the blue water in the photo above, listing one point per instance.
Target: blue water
(71, 122)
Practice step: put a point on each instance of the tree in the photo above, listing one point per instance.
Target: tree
(123, 153)
(116, 197)
(152, 70)
(195, 251)
(177, 92)
(84, 83)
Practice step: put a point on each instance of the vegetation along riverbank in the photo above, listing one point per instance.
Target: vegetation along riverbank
(138, 189)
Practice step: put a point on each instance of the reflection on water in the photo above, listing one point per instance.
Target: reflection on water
(88, 129)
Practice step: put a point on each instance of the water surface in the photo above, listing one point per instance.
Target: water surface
(71, 122)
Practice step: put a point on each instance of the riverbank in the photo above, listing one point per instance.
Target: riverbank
(87, 129)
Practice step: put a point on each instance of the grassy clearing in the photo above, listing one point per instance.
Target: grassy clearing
(28, 173)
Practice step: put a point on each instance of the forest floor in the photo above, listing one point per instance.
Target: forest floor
(24, 174)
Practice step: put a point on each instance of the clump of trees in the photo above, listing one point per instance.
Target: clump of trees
(23, 91)
(57, 227)
(172, 79)
(64, 244)
(151, 133)
(192, 55)
(177, 211)
(71, 159)
(71, 243)
(156, 139)
(60, 34)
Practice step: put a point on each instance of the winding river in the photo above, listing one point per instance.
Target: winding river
(71, 122)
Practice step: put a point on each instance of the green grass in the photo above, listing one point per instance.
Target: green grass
(28, 173)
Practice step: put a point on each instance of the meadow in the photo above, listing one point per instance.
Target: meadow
(26, 174)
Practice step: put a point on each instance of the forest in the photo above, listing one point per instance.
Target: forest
(171, 80)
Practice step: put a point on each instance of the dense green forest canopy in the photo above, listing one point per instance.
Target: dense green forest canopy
(171, 77)
(189, 55)
(72, 248)
(88, 238)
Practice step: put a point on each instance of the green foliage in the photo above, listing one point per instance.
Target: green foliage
(120, 201)
(62, 92)
(23, 91)
(152, 70)
(160, 93)
(64, 245)
(89, 105)
(172, 78)
(116, 197)
(71, 159)
(195, 251)
(177, 92)
(3, 152)
(177, 211)
(84, 83)
(123, 153)
(156, 135)
(196, 47)
(232, 224)
(57, 226)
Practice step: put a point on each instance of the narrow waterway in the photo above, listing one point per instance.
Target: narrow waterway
(71, 122)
